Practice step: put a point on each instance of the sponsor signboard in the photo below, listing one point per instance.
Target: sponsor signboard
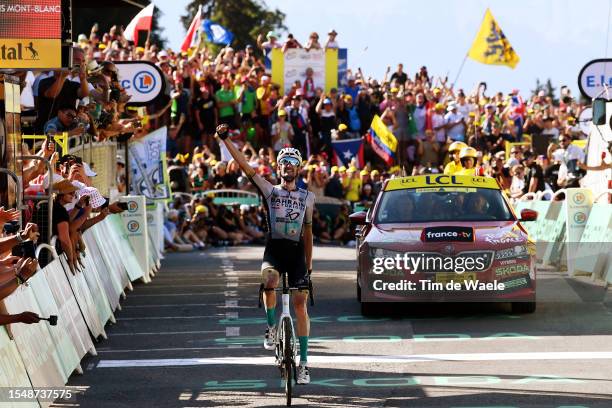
(579, 202)
(147, 166)
(135, 221)
(142, 80)
(447, 234)
(31, 33)
(594, 75)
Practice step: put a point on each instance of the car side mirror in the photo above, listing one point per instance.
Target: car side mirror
(358, 218)
(528, 215)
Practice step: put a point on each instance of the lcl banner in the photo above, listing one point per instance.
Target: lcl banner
(142, 80)
(31, 33)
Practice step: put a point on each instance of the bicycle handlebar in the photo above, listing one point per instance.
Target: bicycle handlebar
(263, 289)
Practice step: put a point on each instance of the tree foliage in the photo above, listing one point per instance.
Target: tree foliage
(548, 88)
(246, 19)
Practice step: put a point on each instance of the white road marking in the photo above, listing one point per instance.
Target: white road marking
(231, 303)
(363, 359)
(232, 284)
(216, 316)
(173, 305)
(232, 331)
(169, 333)
(231, 315)
(169, 349)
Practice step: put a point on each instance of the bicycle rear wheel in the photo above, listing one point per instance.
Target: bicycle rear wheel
(288, 363)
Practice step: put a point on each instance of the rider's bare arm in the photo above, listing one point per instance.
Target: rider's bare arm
(236, 154)
(308, 238)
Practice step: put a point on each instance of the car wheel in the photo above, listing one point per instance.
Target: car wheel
(368, 309)
(523, 307)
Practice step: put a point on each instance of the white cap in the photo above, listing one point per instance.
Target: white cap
(162, 53)
(88, 171)
(95, 198)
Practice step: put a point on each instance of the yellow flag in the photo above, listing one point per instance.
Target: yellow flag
(491, 45)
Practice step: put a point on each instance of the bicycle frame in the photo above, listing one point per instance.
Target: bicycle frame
(286, 313)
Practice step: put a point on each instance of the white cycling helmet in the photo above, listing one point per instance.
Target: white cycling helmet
(289, 152)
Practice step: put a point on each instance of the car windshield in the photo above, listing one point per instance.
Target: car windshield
(442, 204)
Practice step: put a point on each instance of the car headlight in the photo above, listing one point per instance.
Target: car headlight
(382, 253)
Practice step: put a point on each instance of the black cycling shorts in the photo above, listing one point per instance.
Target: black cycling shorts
(288, 257)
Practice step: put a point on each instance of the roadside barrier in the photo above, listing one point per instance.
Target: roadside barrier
(40, 355)
(574, 233)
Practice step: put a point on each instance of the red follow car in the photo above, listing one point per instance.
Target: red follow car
(444, 238)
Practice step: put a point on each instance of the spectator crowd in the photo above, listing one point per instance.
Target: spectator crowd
(438, 129)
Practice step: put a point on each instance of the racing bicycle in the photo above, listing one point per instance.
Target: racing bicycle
(285, 335)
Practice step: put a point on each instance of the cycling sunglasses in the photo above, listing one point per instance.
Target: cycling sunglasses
(289, 160)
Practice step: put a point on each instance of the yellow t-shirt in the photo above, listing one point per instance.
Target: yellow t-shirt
(452, 168)
(466, 172)
(354, 189)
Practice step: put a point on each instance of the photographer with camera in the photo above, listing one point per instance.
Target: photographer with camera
(64, 88)
(65, 121)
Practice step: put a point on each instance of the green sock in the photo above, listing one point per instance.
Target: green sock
(270, 315)
(303, 348)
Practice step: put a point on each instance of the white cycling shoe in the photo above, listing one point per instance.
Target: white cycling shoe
(303, 375)
(270, 338)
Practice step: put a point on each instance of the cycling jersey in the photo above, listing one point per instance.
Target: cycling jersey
(287, 211)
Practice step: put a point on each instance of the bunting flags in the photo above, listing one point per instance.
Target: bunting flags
(382, 140)
(491, 45)
(141, 22)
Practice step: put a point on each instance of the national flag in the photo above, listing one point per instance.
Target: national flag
(491, 45)
(193, 34)
(141, 22)
(216, 33)
(345, 150)
(382, 140)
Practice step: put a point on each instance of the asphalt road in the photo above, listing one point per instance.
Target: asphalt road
(193, 338)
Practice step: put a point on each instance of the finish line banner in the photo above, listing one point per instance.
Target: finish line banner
(291, 66)
(147, 157)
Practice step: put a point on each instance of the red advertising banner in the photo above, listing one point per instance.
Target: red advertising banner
(30, 19)
(30, 34)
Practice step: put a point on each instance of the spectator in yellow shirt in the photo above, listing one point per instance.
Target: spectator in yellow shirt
(352, 185)
(455, 165)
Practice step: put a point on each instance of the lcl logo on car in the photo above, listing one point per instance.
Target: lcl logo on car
(447, 234)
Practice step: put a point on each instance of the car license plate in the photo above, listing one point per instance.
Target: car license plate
(445, 277)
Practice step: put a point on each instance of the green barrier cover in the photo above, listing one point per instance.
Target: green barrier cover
(553, 232)
(109, 252)
(124, 248)
(34, 341)
(92, 278)
(84, 299)
(14, 373)
(238, 200)
(592, 252)
(111, 282)
(68, 356)
(541, 207)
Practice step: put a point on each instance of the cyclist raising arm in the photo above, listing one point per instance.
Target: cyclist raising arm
(289, 242)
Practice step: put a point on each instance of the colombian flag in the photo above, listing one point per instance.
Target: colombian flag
(382, 140)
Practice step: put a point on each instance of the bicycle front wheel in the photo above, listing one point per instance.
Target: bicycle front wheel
(288, 363)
